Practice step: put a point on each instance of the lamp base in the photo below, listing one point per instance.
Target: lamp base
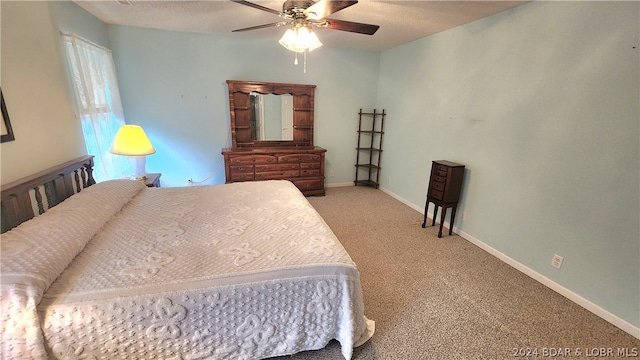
(138, 164)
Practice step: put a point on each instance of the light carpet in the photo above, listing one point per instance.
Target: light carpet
(445, 298)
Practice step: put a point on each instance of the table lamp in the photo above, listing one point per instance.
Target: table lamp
(132, 141)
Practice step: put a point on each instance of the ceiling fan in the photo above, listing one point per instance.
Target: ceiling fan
(308, 12)
(301, 16)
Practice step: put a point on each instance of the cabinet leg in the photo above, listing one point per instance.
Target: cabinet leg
(426, 207)
(435, 213)
(453, 218)
(442, 215)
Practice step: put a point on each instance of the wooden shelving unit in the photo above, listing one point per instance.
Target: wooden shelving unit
(369, 150)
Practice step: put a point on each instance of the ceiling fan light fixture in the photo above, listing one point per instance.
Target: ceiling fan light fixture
(302, 14)
(300, 38)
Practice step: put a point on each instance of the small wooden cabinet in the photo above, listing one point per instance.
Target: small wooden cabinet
(152, 180)
(445, 185)
(303, 167)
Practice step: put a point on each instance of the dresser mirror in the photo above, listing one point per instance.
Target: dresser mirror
(271, 117)
(266, 114)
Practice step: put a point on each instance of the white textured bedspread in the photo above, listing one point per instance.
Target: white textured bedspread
(237, 271)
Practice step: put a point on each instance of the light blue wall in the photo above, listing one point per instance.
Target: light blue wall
(173, 85)
(35, 84)
(541, 103)
(70, 18)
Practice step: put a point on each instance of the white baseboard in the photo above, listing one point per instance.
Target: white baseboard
(403, 200)
(581, 301)
(331, 185)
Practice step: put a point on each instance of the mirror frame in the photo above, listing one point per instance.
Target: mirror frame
(240, 112)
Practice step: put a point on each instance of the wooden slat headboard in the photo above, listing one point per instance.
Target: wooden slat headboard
(59, 182)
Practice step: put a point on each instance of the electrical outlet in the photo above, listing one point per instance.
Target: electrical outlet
(464, 216)
(331, 173)
(556, 261)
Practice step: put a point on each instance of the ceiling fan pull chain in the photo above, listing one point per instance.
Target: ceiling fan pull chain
(305, 61)
(295, 62)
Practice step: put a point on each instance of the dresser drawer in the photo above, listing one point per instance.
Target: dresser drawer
(438, 178)
(298, 158)
(253, 159)
(276, 175)
(310, 165)
(310, 172)
(437, 186)
(265, 159)
(436, 194)
(241, 160)
(310, 158)
(440, 167)
(311, 184)
(242, 176)
(441, 173)
(241, 168)
(276, 167)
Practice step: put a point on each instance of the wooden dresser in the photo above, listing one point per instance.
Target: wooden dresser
(303, 167)
(273, 145)
(445, 185)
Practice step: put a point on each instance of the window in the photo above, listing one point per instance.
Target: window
(98, 103)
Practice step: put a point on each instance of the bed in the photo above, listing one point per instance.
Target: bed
(118, 270)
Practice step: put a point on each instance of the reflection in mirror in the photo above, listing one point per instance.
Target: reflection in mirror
(271, 116)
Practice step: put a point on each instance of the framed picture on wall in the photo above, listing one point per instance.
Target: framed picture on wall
(6, 131)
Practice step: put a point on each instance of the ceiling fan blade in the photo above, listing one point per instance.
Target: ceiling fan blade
(261, 26)
(324, 8)
(350, 26)
(256, 6)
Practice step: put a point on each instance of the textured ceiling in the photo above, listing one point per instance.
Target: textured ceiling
(400, 21)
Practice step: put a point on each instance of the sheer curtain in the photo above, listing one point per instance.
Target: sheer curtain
(98, 101)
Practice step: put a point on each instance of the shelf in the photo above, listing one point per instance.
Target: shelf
(368, 154)
(369, 166)
(367, 183)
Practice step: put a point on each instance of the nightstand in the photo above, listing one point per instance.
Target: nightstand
(152, 180)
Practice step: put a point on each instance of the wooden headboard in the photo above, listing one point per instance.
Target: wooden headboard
(58, 182)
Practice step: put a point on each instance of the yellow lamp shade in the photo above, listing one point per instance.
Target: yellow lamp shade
(131, 140)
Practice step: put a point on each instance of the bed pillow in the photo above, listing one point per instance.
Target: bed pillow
(46, 244)
(36, 252)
